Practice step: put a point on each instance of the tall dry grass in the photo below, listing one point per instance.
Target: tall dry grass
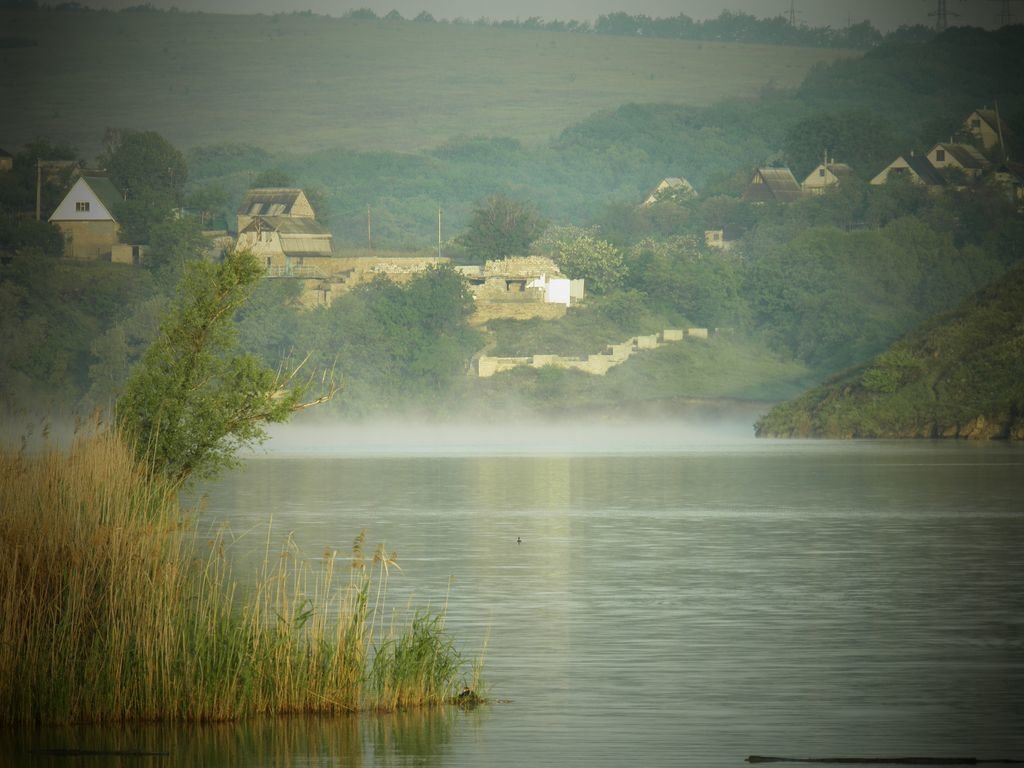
(112, 610)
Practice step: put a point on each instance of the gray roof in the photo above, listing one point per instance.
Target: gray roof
(995, 122)
(269, 200)
(966, 156)
(777, 184)
(840, 169)
(287, 225)
(927, 172)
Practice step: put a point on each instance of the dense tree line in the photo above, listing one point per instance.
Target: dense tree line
(729, 26)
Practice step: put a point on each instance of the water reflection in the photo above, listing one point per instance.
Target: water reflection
(420, 738)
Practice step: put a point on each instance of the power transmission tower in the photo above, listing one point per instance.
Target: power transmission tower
(792, 13)
(1005, 17)
(942, 15)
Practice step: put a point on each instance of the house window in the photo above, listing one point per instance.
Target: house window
(940, 155)
(82, 206)
(976, 124)
(821, 172)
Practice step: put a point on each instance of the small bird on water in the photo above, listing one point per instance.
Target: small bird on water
(519, 539)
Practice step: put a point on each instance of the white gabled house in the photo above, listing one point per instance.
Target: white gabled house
(911, 166)
(86, 218)
(962, 157)
(987, 128)
(827, 174)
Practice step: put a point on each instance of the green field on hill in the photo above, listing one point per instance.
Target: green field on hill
(306, 82)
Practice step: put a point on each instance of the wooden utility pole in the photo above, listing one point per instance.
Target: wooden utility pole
(369, 228)
(438, 233)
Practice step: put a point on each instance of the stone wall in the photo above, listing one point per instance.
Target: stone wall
(521, 266)
(515, 306)
(325, 278)
(597, 365)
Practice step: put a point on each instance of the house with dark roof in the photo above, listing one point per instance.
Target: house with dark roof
(773, 185)
(6, 160)
(274, 201)
(987, 128)
(86, 218)
(917, 169)
(960, 157)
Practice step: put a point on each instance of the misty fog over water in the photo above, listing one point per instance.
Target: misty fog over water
(384, 438)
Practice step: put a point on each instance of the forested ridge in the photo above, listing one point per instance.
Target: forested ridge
(961, 375)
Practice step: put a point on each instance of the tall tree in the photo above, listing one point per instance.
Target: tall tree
(501, 227)
(144, 163)
(150, 172)
(193, 401)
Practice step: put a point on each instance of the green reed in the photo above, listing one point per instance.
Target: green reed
(113, 610)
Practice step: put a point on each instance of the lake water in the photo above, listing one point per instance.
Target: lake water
(681, 596)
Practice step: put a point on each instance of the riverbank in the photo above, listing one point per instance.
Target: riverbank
(114, 611)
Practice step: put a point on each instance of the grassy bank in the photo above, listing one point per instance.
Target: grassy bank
(113, 611)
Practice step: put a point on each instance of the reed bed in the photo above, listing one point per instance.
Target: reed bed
(112, 610)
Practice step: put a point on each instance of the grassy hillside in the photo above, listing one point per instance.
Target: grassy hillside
(306, 82)
(960, 376)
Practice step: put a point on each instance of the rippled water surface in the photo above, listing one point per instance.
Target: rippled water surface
(679, 597)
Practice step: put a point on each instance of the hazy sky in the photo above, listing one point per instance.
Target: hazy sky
(884, 14)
